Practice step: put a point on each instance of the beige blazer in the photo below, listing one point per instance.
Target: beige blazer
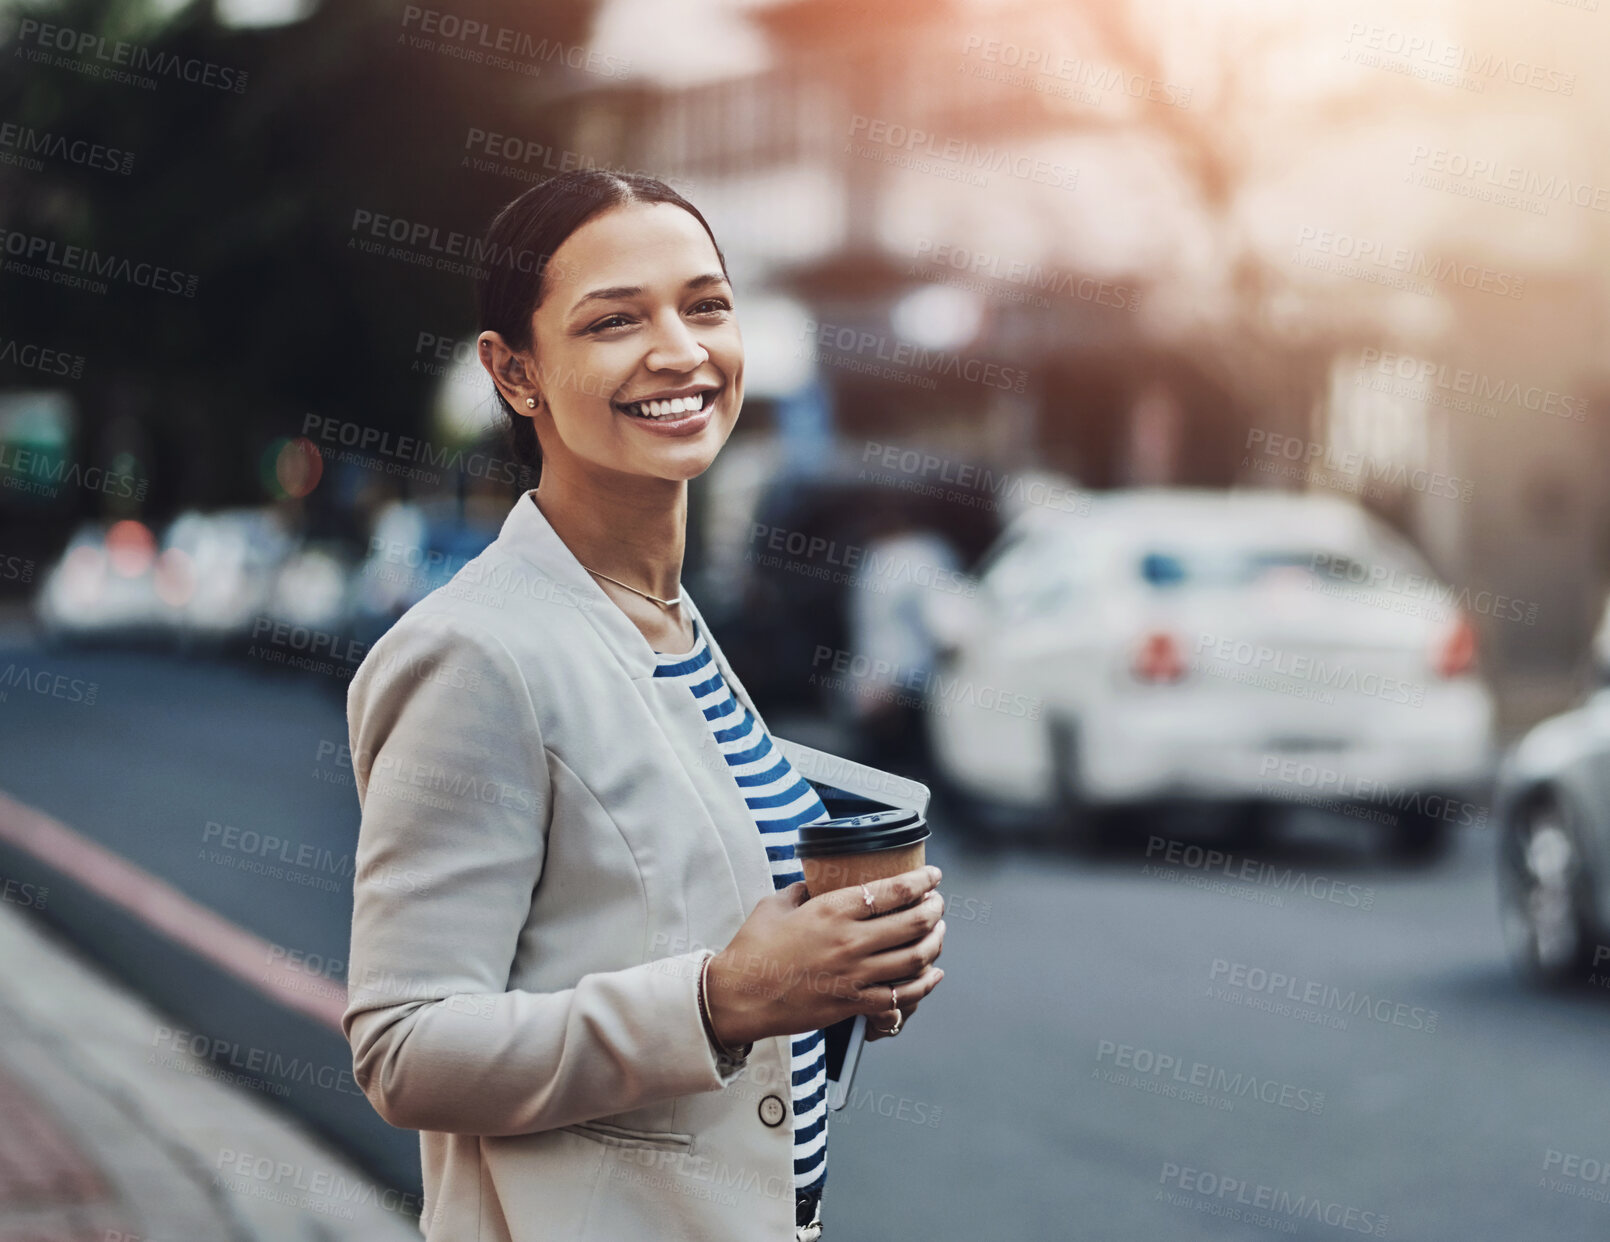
(550, 840)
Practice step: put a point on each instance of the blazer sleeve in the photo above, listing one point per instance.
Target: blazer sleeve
(453, 784)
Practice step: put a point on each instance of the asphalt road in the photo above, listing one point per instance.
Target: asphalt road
(1396, 1083)
(1122, 1049)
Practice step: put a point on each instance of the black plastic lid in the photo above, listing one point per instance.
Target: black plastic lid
(861, 834)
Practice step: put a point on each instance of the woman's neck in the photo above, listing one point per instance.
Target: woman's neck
(635, 534)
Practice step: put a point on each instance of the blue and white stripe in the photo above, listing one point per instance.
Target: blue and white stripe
(780, 801)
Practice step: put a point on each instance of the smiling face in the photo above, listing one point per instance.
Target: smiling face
(639, 359)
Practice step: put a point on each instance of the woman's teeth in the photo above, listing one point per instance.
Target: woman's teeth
(674, 408)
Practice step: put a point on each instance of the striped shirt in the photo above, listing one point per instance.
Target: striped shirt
(780, 800)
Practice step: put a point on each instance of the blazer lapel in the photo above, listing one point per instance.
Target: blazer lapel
(527, 534)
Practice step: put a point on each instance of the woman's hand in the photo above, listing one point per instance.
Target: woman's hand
(878, 1025)
(799, 963)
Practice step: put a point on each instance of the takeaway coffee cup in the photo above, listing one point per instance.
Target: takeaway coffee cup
(857, 849)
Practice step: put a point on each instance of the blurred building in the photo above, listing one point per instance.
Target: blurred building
(916, 214)
(1102, 239)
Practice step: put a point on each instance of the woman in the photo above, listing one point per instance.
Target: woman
(569, 802)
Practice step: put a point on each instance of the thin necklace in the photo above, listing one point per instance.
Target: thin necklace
(663, 603)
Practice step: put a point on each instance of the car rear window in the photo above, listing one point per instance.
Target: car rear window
(1203, 567)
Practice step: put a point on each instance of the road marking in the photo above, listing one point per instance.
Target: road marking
(165, 910)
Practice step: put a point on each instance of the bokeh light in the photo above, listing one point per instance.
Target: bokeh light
(131, 548)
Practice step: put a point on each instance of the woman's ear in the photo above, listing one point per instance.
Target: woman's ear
(511, 371)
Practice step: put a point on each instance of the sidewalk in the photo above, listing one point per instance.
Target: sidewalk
(105, 1137)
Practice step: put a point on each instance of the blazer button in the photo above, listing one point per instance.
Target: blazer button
(773, 1110)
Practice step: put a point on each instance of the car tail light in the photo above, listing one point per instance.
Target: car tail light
(1457, 655)
(130, 547)
(1158, 659)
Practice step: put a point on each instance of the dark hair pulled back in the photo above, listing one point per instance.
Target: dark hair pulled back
(519, 243)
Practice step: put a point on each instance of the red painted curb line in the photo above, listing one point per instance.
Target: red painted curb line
(165, 910)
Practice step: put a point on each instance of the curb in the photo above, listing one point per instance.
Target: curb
(123, 1151)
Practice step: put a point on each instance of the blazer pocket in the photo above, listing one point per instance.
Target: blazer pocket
(621, 1136)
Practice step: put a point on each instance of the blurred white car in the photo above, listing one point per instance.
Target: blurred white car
(1240, 648)
(210, 579)
(109, 585)
(312, 589)
(230, 560)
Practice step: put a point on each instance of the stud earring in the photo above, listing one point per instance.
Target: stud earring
(532, 402)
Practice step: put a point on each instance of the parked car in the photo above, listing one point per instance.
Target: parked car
(109, 586)
(1237, 649)
(416, 547)
(206, 584)
(230, 560)
(1552, 809)
(794, 550)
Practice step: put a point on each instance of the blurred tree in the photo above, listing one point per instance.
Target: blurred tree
(255, 194)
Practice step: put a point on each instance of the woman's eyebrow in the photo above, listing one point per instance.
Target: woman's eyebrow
(631, 291)
(609, 295)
